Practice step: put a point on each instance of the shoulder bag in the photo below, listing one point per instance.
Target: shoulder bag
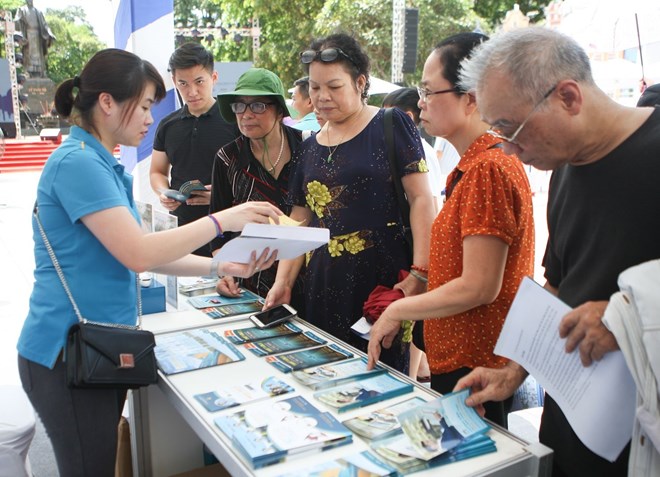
(105, 355)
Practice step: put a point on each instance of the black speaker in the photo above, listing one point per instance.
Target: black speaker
(410, 34)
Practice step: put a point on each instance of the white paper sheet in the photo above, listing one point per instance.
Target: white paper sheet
(598, 401)
(290, 242)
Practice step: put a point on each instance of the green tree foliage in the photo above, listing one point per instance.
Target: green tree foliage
(75, 44)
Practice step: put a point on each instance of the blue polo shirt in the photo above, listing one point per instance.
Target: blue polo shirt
(79, 178)
(307, 123)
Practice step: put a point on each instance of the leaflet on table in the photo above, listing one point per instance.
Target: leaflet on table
(290, 242)
(193, 349)
(225, 311)
(586, 395)
(308, 357)
(364, 392)
(363, 464)
(395, 451)
(267, 432)
(440, 425)
(285, 343)
(383, 422)
(243, 393)
(326, 376)
(208, 301)
(254, 333)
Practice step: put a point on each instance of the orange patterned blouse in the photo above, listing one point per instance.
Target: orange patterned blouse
(493, 198)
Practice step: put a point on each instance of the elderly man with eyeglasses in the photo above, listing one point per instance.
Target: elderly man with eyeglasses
(535, 89)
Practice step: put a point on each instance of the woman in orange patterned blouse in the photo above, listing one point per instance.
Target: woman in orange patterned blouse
(482, 242)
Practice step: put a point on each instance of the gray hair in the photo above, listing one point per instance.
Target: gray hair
(534, 59)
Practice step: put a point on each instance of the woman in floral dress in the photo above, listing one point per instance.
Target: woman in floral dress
(342, 181)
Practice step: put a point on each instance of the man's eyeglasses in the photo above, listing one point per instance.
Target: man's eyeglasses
(328, 55)
(425, 93)
(257, 107)
(512, 139)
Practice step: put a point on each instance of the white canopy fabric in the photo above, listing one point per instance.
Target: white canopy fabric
(378, 86)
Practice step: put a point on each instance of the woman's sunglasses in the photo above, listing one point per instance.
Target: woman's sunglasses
(328, 55)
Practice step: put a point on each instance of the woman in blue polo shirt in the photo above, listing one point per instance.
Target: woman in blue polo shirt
(86, 206)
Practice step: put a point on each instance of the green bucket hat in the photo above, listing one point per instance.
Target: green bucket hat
(254, 82)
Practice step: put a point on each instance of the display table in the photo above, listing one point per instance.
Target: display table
(169, 425)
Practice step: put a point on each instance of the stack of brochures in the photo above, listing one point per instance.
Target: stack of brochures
(382, 422)
(210, 301)
(281, 344)
(321, 377)
(436, 433)
(364, 392)
(254, 333)
(193, 349)
(243, 393)
(288, 362)
(270, 432)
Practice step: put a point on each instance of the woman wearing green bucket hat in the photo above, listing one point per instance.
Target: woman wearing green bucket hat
(255, 166)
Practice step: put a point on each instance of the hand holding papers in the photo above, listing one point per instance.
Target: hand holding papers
(290, 242)
(599, 400)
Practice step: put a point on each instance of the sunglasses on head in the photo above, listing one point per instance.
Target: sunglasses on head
(258, 107)
(327, 55)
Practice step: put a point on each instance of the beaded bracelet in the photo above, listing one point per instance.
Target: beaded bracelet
(218, 229)
(419, 269)
(419, 277)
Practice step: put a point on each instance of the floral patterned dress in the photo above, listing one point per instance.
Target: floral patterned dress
(352, 194)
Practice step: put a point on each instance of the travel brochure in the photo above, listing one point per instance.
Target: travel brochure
(210, 301)
(363, 464)
(364, 392)
(243, 393)
(284, 343)
(308, 357)
(321, 377)
(254, 333)
(382, 422)
(194, 349)
(268, 432)
(225, 311)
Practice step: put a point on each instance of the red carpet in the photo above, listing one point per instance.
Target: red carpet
(26, 154)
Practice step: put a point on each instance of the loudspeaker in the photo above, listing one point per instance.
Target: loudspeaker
(51, 134)
(410, 34)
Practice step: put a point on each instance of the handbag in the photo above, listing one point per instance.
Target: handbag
(105, 355)
(404, 207)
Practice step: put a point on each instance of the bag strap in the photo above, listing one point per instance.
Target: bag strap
(404, 207)
(60, 274)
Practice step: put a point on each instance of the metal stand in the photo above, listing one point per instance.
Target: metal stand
(10, 46)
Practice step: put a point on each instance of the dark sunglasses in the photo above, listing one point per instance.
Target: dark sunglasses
(327, 55)
(257, 107)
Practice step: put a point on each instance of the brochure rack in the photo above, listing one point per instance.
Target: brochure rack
(169, 426)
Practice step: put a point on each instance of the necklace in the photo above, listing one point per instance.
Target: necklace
(265, 157)
(331, 151)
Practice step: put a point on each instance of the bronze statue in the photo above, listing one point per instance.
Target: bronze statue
(37, 38)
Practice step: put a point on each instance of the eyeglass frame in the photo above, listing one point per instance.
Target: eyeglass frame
(512, 139)
(249, 105)
(318, 55)
(424, 93)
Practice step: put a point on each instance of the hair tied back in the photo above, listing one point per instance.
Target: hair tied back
(76, 81)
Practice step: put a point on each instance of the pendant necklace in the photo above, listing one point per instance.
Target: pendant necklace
(331, 151)
(265, 157)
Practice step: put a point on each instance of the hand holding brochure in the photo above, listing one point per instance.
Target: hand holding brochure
(599, 400)
(290, 242)
(185, 191)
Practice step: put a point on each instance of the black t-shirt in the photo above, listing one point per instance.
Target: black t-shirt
(603, 218)
(191, 144)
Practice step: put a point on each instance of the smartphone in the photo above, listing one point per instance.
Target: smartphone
(273, 316)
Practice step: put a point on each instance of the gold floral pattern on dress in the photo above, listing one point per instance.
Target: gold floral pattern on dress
(422, 166)
(417, 166)
(318, 196)
(353, 243)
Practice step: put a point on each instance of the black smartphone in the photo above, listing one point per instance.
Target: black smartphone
(273, 316)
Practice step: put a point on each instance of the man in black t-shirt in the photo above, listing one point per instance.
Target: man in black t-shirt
(534, 86)
(187, 140)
